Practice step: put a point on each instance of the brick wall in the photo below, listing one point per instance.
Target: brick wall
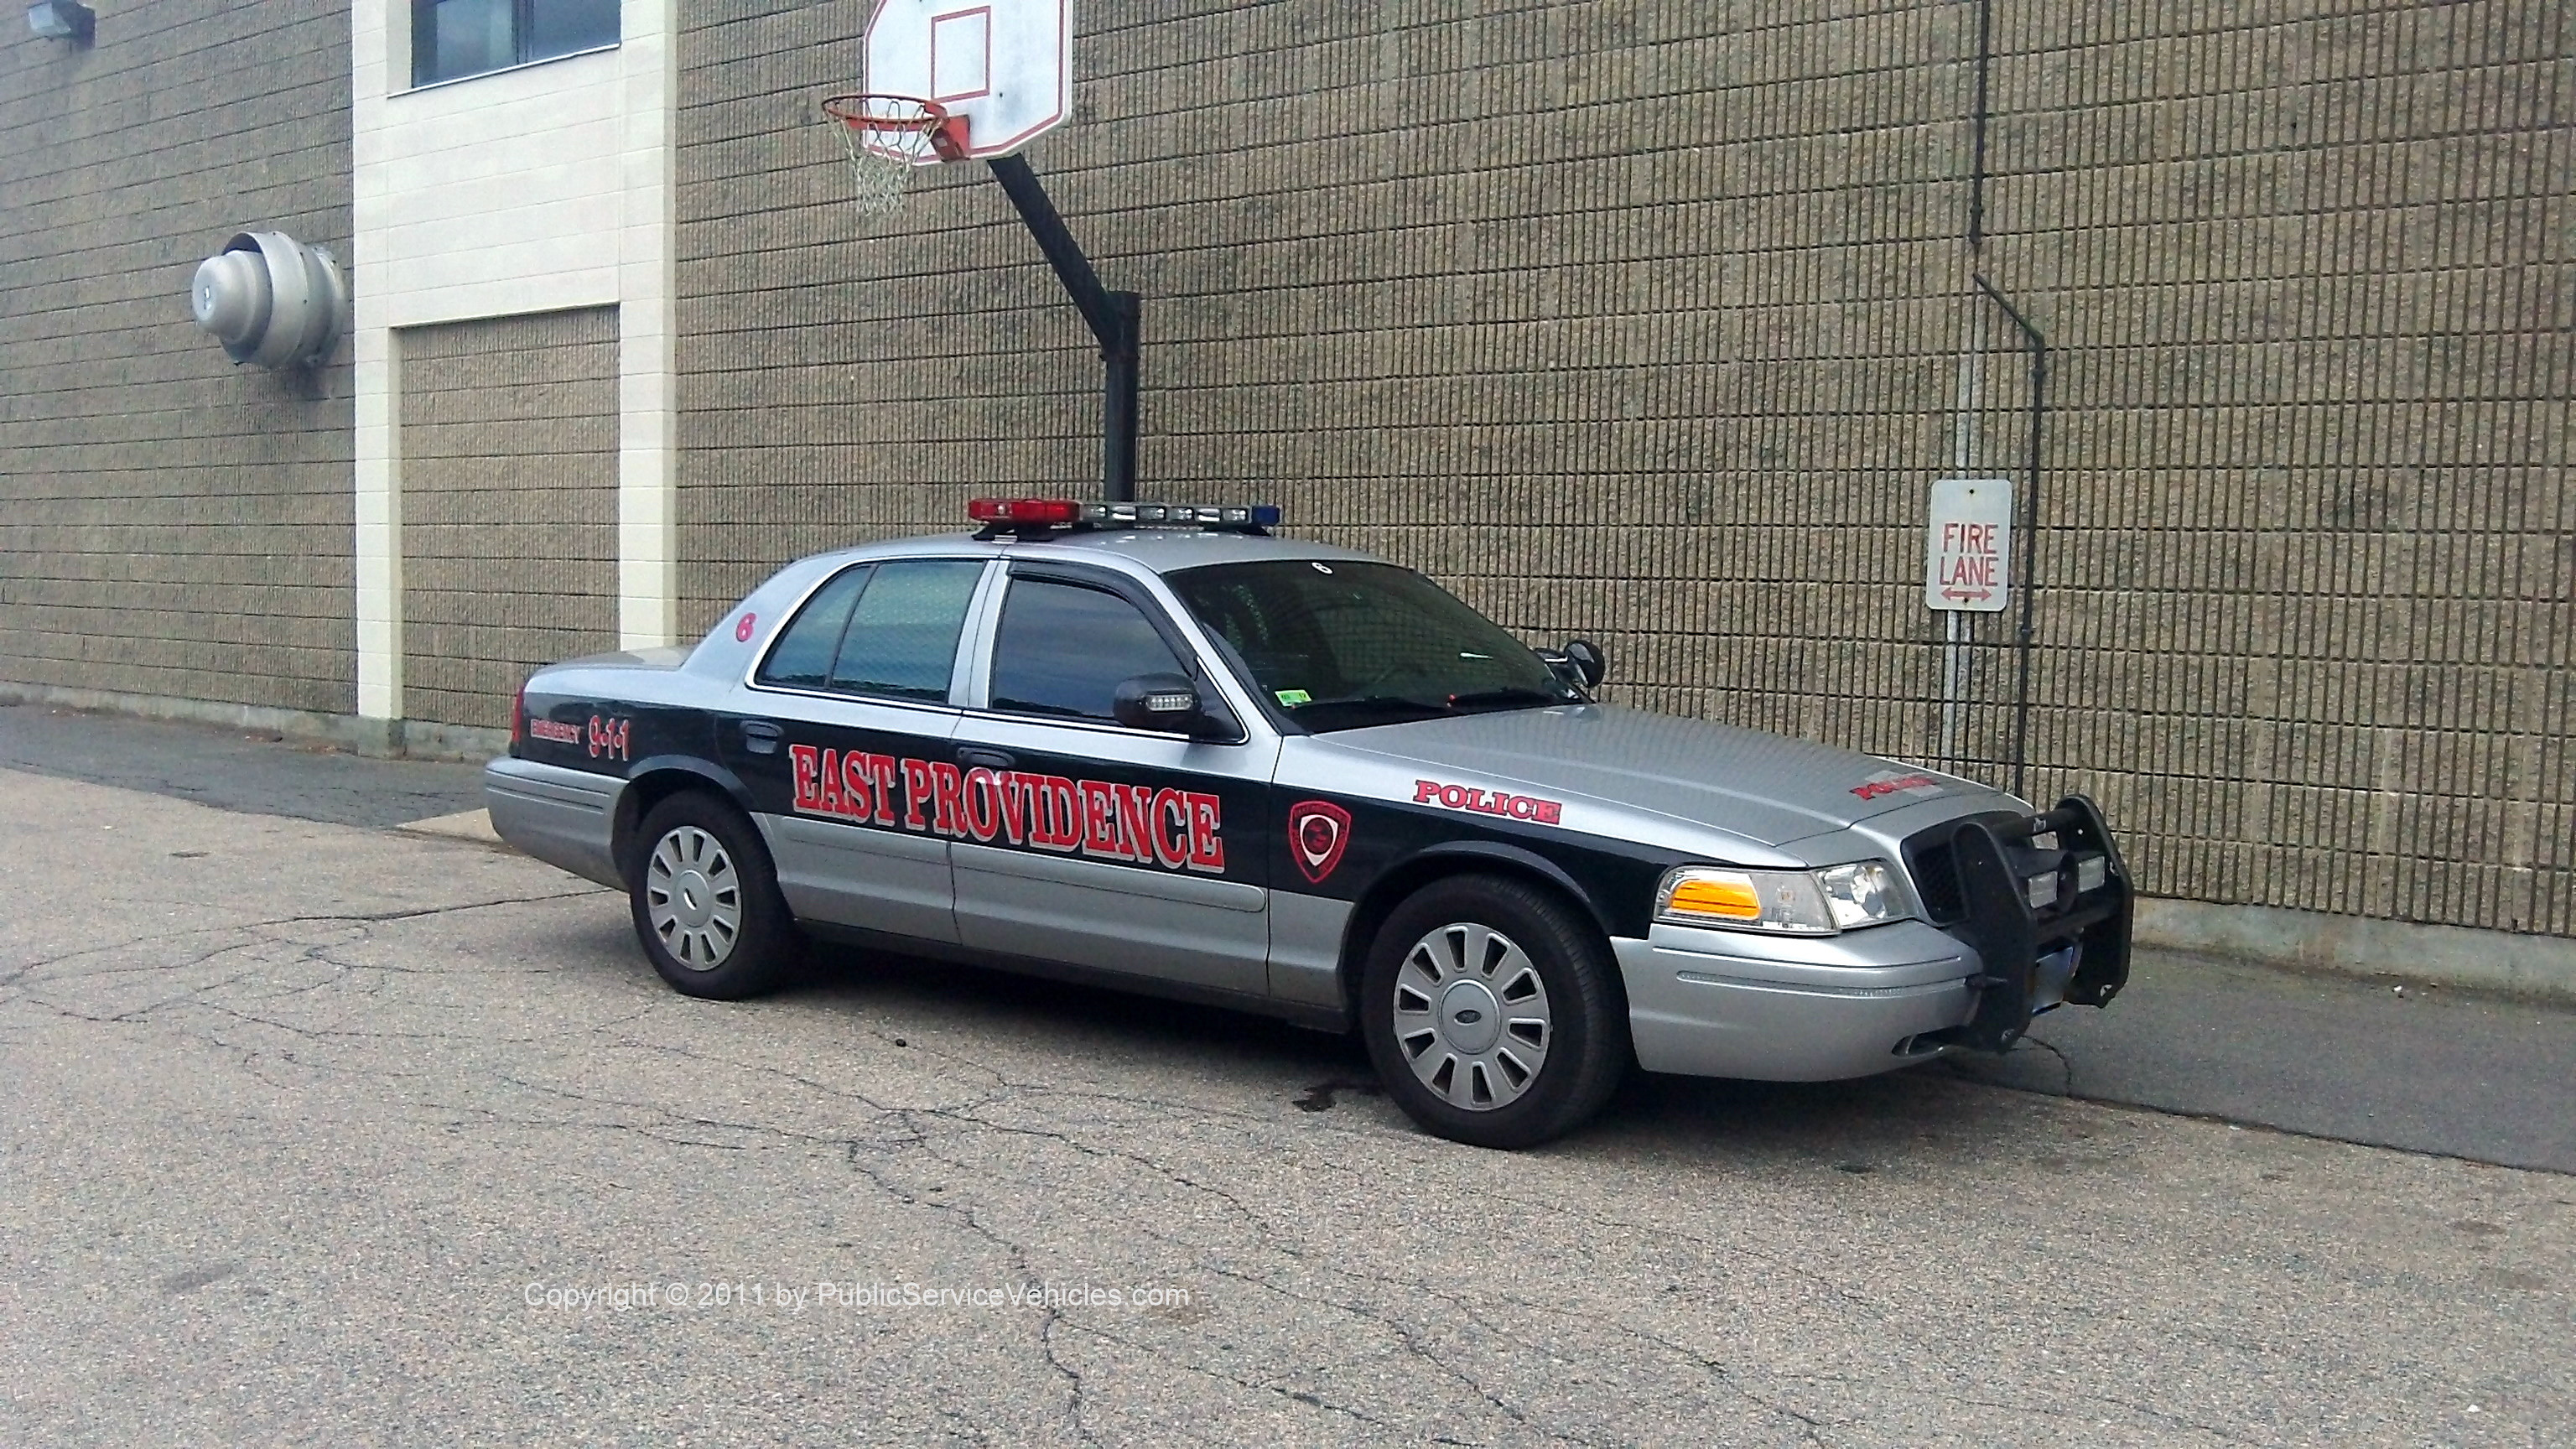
(1653, 322)
(169, 524)
(508, 441)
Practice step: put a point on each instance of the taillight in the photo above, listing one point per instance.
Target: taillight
(518, 718)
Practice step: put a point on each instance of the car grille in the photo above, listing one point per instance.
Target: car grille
(1935, 874)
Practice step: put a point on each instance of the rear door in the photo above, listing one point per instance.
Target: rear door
(842, 726)
(1084, 841)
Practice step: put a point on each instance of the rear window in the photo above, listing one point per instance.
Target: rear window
(805, 650)
(888, 630)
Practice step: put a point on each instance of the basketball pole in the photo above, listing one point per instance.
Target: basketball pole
(1115, 318)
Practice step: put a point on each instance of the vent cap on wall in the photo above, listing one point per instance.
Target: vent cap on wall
(272, 300)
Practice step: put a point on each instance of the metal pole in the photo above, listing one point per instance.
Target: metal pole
(1977, 128)
(2038, 347)
(1118, 400)
(1114, 319)
(1955, 625)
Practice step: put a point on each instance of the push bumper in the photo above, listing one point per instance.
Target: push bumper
(1724, 1004)
(2046, 904)
(563, 817)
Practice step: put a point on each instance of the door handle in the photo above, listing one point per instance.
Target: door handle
(975, 759)
(761, 737)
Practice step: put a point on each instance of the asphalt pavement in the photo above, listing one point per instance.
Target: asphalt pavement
(320, 1134)
(2386, 1062)
(262, 774)
(2383, 1062)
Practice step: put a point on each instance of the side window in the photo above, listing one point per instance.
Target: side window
(902, 639)
(1064, 649)
(803, 655)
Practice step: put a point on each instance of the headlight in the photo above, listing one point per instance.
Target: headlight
(1786, 902)
(1862, 893)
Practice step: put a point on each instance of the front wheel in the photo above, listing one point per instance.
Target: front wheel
(705, 902)
(1492, 1013)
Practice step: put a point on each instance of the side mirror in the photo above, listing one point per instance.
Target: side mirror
(1165, 703)
(1588, 661)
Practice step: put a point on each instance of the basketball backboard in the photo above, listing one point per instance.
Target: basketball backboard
(1004, 65)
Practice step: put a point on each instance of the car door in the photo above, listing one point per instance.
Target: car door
(1091, 843)
(841, 725)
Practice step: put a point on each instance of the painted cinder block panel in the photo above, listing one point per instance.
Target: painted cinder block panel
(170, 524)
(509, 445)
(1647, 322)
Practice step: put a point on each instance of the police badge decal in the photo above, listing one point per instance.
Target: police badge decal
(1316, 834)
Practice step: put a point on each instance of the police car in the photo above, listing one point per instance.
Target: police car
(1159, 748)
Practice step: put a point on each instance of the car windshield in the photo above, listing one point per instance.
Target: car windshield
(1343, 644)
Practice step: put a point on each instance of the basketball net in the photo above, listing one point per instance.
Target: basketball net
(887, 139)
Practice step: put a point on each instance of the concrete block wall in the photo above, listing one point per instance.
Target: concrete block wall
(509, 446)
(170, 525)
(2306, 609)
(1654, 323)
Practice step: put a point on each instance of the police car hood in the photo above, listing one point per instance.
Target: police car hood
(1759, 786)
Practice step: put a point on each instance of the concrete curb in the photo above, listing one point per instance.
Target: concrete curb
(383, 739)
(468, 825)
(2507, 961)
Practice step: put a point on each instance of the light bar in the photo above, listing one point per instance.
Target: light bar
(1023, 512)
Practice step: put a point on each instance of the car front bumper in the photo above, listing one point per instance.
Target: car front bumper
(1786, 1009)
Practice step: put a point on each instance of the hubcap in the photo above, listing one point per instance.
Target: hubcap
(692, 898)
(1471, 1016)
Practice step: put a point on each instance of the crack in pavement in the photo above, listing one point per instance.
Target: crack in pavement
(966, 1215)
(973, 1115)
(13, 975)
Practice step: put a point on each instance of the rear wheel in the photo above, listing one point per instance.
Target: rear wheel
(706, 903)
(1490, 1010)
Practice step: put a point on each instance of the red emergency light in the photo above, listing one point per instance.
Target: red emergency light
(1018, 511)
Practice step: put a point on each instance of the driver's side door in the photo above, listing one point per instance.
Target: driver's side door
(1087, 842)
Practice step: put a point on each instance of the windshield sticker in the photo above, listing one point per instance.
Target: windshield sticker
(1898, 782)
(1175, 829)
(1317, 832)
(1295, 697)
(1488, 802)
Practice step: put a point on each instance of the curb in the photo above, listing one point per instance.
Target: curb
(2504, 961)
(381, 739)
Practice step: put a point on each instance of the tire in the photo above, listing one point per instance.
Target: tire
(705, 901)
(1493, 1013)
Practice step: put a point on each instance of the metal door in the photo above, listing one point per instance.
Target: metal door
(1086, 842)
(839, 763)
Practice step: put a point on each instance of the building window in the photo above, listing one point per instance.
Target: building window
(451, 38)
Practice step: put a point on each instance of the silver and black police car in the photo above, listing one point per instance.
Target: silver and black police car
(1157, 747)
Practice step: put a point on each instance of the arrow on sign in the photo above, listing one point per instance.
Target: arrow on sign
(1967, 593)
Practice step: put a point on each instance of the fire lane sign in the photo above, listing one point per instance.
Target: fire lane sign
(1967, 554)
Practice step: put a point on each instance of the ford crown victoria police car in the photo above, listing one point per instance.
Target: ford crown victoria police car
(1156, 747)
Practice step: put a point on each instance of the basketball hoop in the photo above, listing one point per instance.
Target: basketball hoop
(888, 138)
